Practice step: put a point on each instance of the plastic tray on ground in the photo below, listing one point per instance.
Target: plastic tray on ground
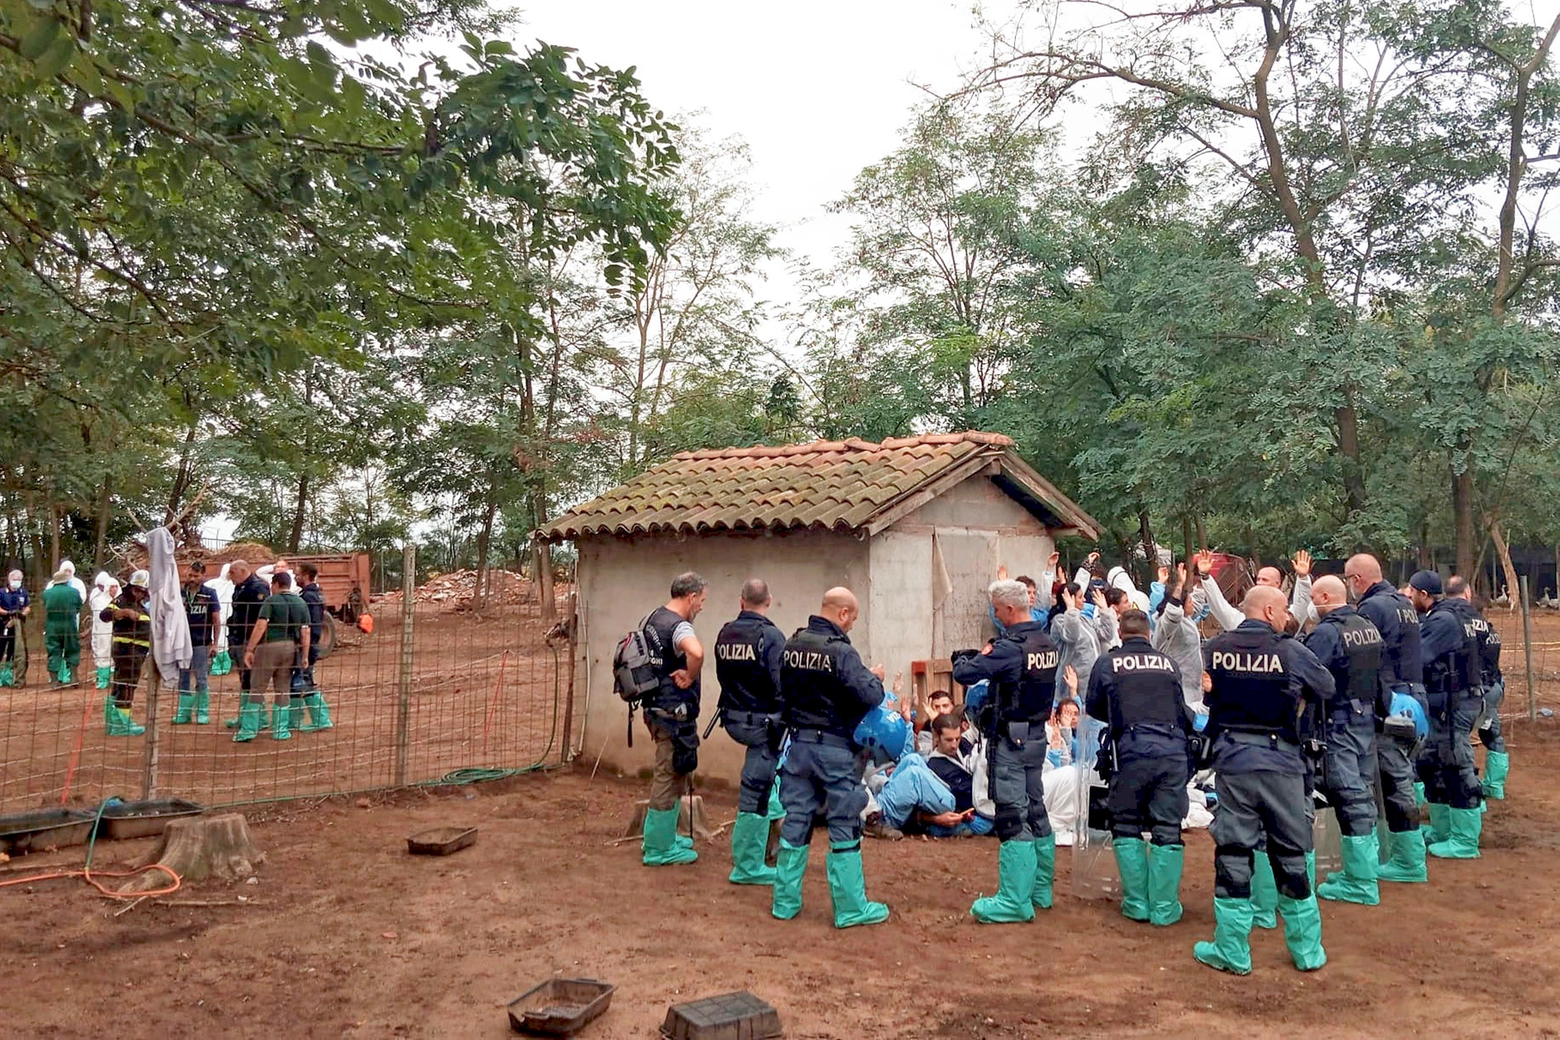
(144, 819)
(730, 1016)
(37, 830)
(560, 1007)
(440, 841)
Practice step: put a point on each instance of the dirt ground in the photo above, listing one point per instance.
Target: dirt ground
(345, 935)
(482, 694)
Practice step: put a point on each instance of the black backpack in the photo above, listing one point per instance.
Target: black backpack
(634, 673)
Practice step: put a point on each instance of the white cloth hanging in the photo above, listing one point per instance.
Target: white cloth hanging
(171, 644)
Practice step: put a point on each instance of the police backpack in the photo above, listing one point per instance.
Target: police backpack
(633, 669)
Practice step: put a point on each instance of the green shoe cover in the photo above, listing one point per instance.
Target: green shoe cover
(1164, 883)
(186, 710)
(1045, 870)
(1465, 827)
(1356, 882)
(749, 838)
(1303, 932)
(790, 867)
(1015, 884)
(1132, 865)
(1497, 766)
(1406, 865)
(848, 887)
(1264, 891)
(660, 841)
(1231, 947)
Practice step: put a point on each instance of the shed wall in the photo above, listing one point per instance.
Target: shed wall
(930, 572)
(621, 580)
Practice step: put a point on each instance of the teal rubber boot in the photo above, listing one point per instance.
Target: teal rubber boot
(790, 867)
(319, 713)
(848, 887)
(1438, 828)
(660, 842)
(1356, 882)
(1497, 766)
(1264, 892)
(265, 719)
(749, 837)
(1045, 871)
(103, 675)
(1164, 883)
(118, 721)
(202, 708)
(1231, 947)
(281, 717)
(1303, 931)
(1015, 883)
(248, 722)
(7, 675)
(186, 711)
(1462, 841)
(1406, 865)
(1132, 865)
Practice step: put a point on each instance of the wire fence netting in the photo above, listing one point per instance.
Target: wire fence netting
(450, 683)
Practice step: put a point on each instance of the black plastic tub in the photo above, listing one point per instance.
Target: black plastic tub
(35, 831)
(440, 841)
(143, 819)
(560, 1007)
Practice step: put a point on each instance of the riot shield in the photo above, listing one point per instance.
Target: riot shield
(1327, 840)
(1094, 873)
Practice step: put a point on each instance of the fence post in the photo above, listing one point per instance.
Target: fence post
(149, 764)
(1527, 648)
(403, 716)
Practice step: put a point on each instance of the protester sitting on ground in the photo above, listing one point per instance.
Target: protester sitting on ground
(1062, 772)
(938, 704)
(954, 759)
(911, 799)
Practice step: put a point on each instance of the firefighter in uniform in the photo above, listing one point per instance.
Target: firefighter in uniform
(827, 693)
(748, 652)
(1351, 648)
(1398, 733)
(1259, 684)
(1020, 667)
(1450, 639)
(1136, 691)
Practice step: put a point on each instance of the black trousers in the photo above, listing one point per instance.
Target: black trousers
(1149, 794)
(1250, 806)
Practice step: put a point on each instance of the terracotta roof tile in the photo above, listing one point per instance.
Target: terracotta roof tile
(826, 484)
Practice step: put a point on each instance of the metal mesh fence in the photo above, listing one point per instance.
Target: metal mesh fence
(439, 687)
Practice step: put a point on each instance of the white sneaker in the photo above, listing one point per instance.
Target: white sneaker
(1064, 839)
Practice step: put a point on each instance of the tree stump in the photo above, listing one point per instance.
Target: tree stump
(203, 847)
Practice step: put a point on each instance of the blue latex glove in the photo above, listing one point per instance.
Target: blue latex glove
(975, 696)
(1200, 722)
(1408, 707)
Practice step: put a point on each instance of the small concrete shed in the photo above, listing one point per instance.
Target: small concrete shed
(916, 526)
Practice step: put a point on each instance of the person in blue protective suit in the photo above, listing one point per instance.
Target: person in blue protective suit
(1136, 692)
(959, 763)
(748, 651)
(15, 605)
(1021, 669)
(1449, 643)
(1397, 736)
(671, 713)
(1259, 684)
(827, 692)
(1351, 648)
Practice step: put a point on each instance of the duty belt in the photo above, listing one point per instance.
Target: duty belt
(1267, 740)
(827, 739)
(749, 718)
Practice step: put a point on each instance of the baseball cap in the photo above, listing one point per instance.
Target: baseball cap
(1428, 582)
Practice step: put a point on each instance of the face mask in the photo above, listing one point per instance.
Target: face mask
(16, 584)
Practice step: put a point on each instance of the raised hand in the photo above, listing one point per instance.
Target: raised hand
(1302, 564)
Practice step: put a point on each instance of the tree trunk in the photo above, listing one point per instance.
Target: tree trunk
(100, 542)
(479, 595)
(543, 577)
(202, 847)
(54, 545)
(1503, 551)
(1349, 454)
(1186, 536)
(1202, 535)
(295, 537)
(1462, 517)
(1150, 550)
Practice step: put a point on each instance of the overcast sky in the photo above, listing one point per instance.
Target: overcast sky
(817, 88)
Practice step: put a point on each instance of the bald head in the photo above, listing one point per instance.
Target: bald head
(1361, 572)
(238, 570)
(1270, 577)
(1328, 594)
(840, 607)
(1266, 604)
(755, 595)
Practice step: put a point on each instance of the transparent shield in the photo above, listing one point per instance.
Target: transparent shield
(1094, 874)
(1327, 839)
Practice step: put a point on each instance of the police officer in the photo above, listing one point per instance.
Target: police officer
(1351, 648)
(1136, 691)
(748, 652)
(1020, 667)
(827, 692)
(671, 715)
(1402, 675)
(1497, 764)
(1259, 683)
(1452, 633)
